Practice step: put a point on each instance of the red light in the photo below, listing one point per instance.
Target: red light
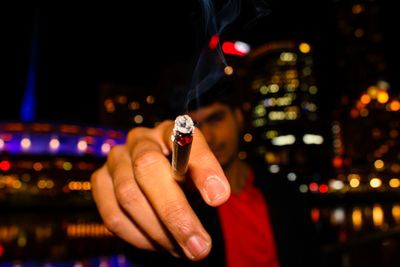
(1, 250)
(5, 165)
(313, 187)
(323, 188)
(337, 162)
(229, 48)
(213, 42)
(314, 215)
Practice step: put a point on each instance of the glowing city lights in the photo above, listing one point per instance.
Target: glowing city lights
(394, 182)
(357, 219)
(283, 140)
(105, 148)
(25, 143)
(375, 182)
(354, 182)
(138, 119)
(382, 97)
(228, 70)
(379, 164)
(5, 165)
(54, 144)
(377, 215)
(304, 48)
(82, 145)
(396, 212)
(313, 139)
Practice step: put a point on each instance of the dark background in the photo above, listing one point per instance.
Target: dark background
(81, 47)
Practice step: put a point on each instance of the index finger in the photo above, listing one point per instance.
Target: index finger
(204, 168)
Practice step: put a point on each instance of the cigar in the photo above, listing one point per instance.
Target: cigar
(182, 138)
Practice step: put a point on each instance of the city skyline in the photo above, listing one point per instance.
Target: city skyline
(78, 50)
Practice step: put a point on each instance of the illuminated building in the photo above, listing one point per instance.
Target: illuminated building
(369, 146)
(288, 132)
(50, 164)
(365, 126)
(360, 49)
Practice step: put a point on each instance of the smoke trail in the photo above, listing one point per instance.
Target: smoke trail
(211, 62)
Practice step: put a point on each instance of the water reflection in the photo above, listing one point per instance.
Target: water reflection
(74, 238)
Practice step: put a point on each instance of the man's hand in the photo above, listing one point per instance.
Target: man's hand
(140, 202)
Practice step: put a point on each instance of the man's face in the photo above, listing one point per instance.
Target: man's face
(221, 128)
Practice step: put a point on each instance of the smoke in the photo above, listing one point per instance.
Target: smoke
(211, 63)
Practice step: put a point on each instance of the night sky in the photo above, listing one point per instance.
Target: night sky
(81, 47)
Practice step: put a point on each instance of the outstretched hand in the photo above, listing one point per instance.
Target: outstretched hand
(139, 200)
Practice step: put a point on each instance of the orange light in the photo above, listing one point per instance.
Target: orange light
(395, 105)
(354, 113)
(382, 97)
(365, 99)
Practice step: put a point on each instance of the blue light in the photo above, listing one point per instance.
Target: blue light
(28, 107)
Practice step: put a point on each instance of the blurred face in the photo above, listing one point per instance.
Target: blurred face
(221, 127)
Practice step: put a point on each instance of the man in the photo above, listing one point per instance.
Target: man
(247, 217)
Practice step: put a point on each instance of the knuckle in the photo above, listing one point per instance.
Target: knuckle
(112, 222)
(135, 133)
(127, 193)
(175, 215)
(146, 160)
(115, 151)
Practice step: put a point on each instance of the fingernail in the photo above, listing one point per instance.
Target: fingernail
(214, 189)
(197, 246)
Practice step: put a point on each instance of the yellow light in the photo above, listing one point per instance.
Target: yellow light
(49, 184)
(25, 143)
(42, 184)
(364, 112)
(138, 119)
(247, 137)
(379, 164)
(17, 184)
(377, 215)
(54, 144)
(373, 91)
(134, 105)
(82, 145)
(396, 212)
(357, 219)
(304, 48)
(1, 143)
(382, 97)
(394, 182)
(354, 183)
(375, 182)
(228, 70)
(86, 186)
(67, 166)
(150, 99)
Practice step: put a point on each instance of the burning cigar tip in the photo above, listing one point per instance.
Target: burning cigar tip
(184, 125)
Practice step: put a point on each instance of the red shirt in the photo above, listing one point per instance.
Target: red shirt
(246, 228)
